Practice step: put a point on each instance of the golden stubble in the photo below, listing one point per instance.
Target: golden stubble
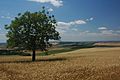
(83, 64)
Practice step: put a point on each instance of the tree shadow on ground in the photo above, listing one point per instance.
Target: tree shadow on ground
(38, 60)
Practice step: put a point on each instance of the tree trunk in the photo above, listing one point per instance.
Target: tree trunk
(33, 55)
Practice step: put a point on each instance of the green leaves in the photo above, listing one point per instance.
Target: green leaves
(32, 30)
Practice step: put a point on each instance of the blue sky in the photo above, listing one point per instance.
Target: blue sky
(78, 20)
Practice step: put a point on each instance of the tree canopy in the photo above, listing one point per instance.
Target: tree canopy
(32, 30)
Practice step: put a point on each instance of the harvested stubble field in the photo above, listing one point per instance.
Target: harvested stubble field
(84, 64)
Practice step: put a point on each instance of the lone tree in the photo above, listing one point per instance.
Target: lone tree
(32, 31)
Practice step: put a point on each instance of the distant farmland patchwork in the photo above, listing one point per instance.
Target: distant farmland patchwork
(82, 64)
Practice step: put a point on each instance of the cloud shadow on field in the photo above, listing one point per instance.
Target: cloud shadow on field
(38, 60)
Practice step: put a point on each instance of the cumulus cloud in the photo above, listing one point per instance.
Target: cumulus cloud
(50, 10)
(6, 17)
(102, 28)
(56, 3)
(77, 35)
(61, 31)
(72, 23)
(3, 38)
(67, 25)
(118, 31)
(103, 33)
(92, 36)
(74, 29)
(109, 32)
(90, 19)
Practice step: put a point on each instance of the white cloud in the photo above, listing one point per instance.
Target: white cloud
(104, 34)
(90, 19)
(74, 29)
(72, 23)
(50, 10)
(104, 31)
(118, 31)
(6, 17)
(67, 25)
(84, 32)
(61, 31)
(108, 32)
(102, 28)
(107, 35)
(3, 38)
(56, 3)
(78, 22)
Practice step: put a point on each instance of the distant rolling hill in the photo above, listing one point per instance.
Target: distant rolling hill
(3, 45)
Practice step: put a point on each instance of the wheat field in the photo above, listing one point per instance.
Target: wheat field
(83, 64)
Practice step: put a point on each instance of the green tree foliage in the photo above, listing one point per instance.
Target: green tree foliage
(32, 31)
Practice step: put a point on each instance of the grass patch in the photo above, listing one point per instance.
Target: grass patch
(55, 52)
(7, 53)
(66, 49)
